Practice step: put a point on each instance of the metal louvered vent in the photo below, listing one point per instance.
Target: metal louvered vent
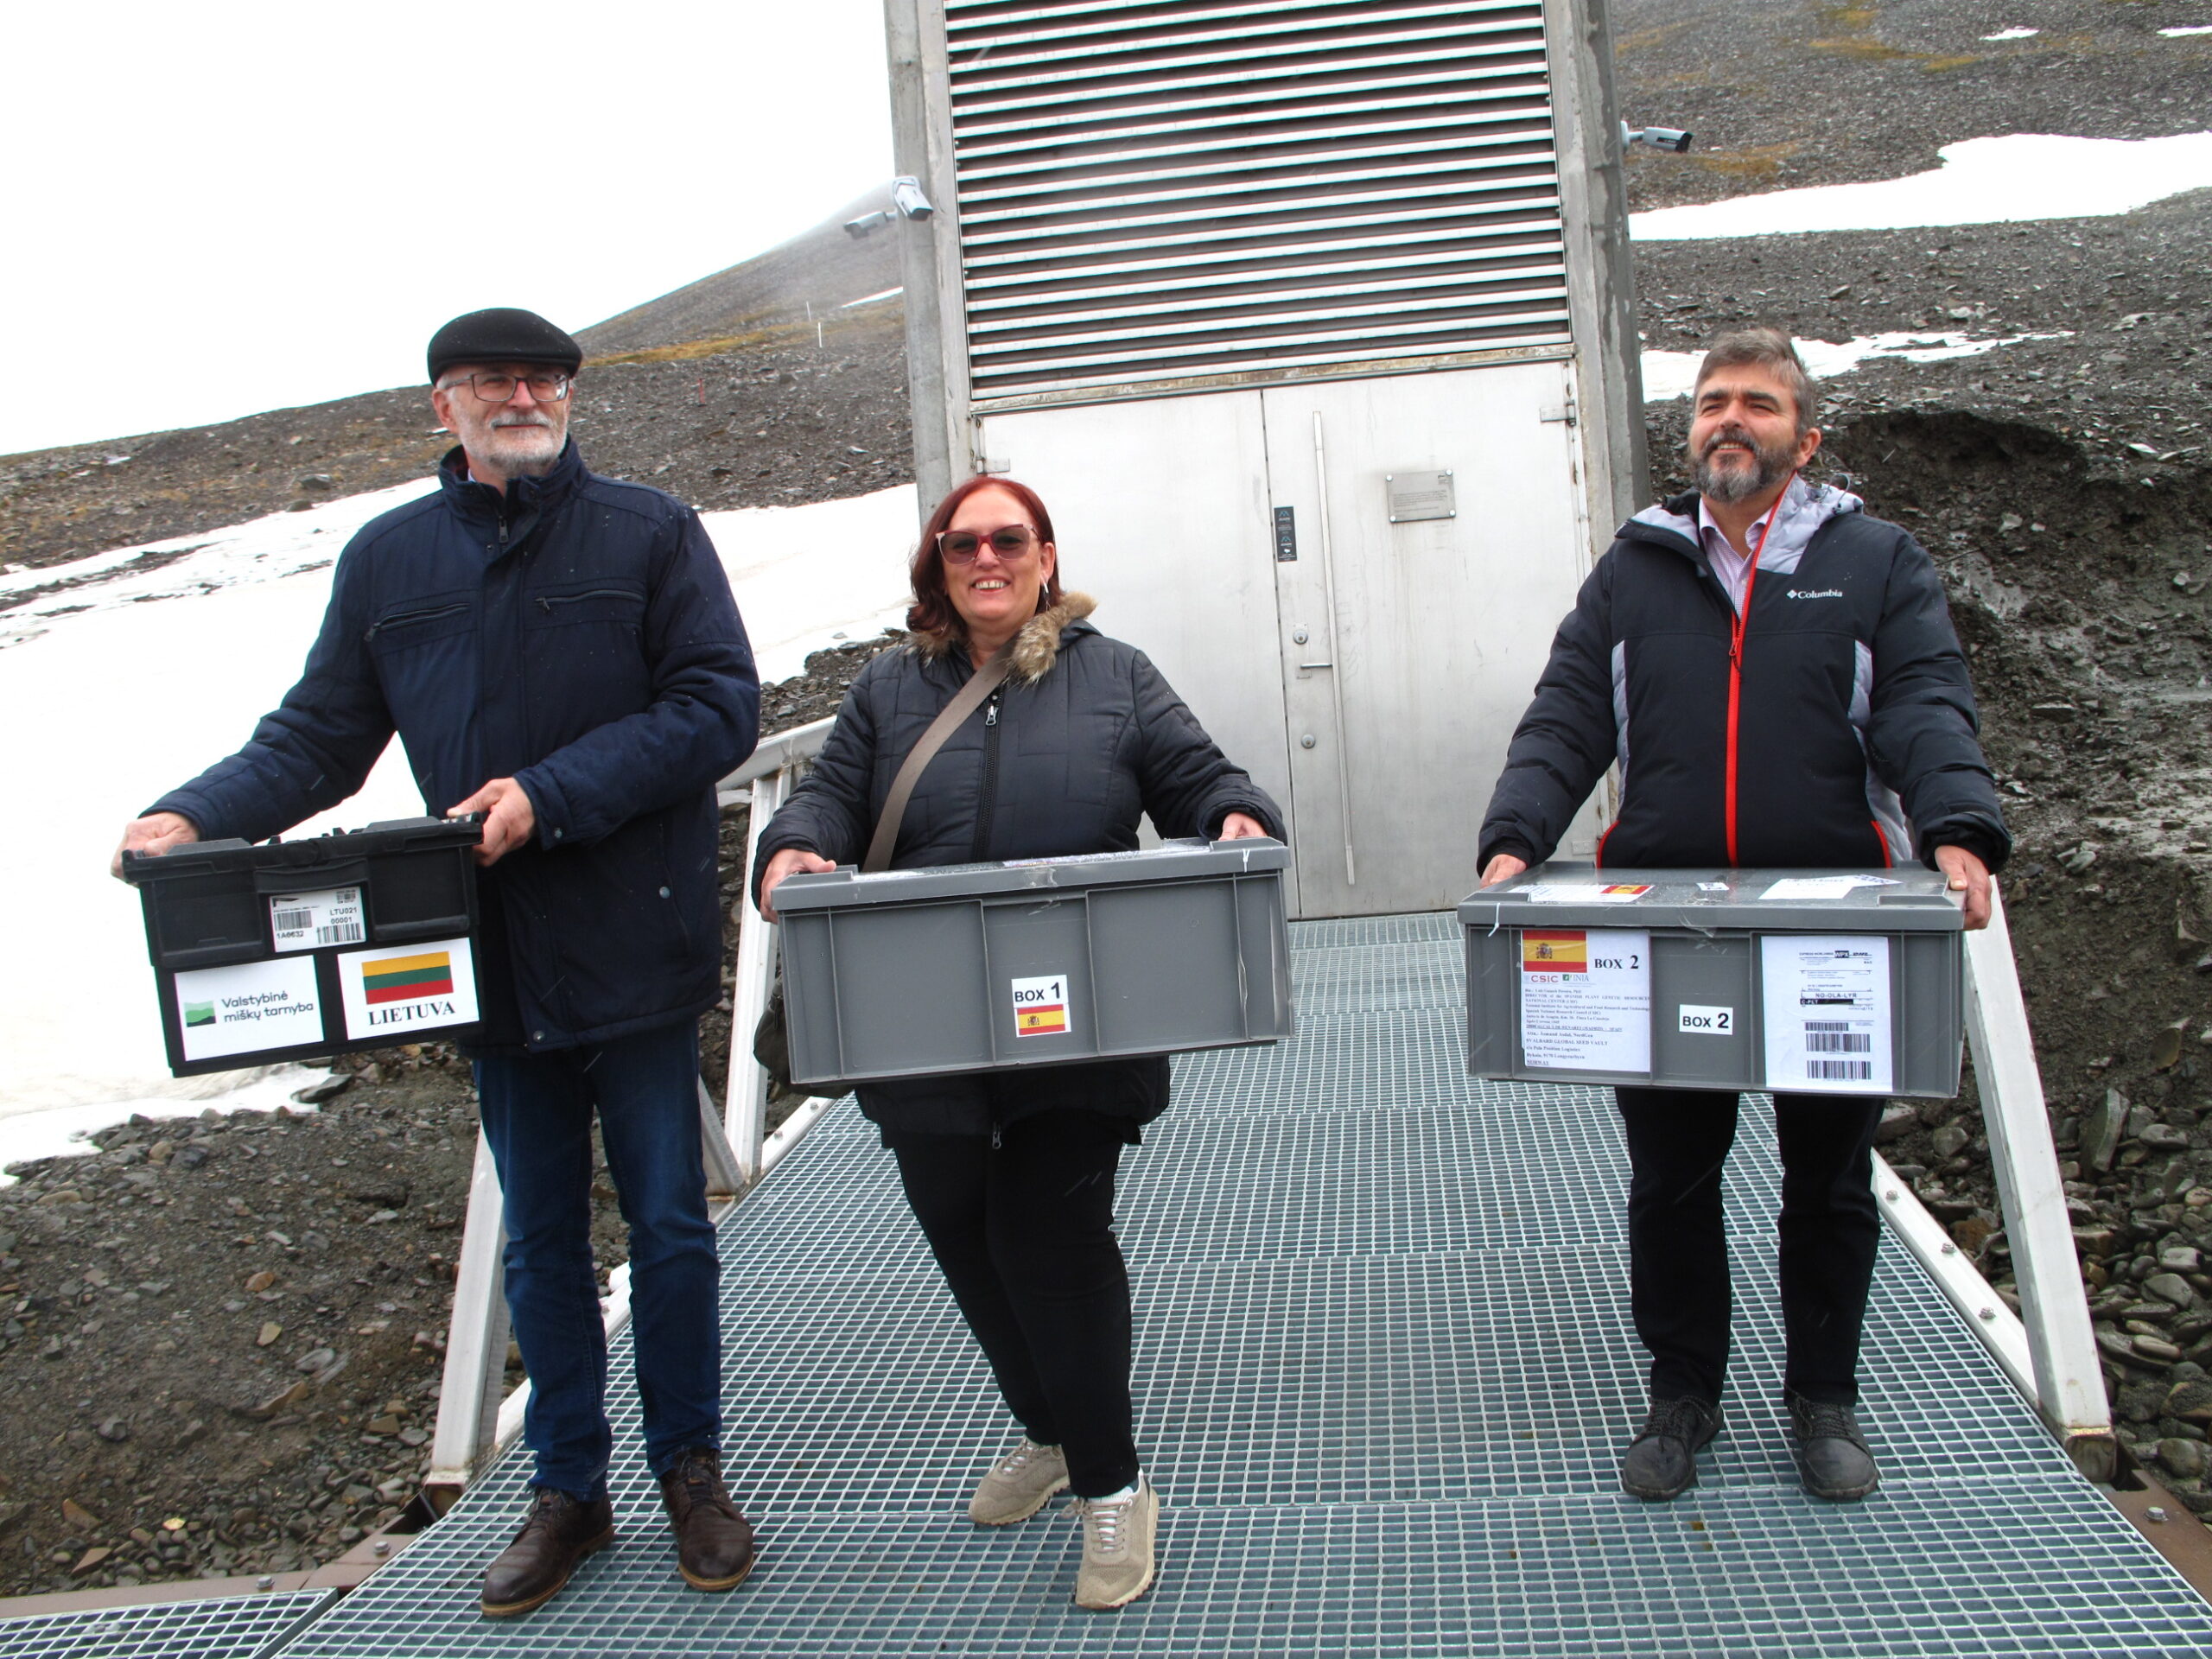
(1155, 191)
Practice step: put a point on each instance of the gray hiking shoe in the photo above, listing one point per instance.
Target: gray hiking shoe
(1832, 1456)
(1661, 1462)
(1018, 1484)
(1117, 1555)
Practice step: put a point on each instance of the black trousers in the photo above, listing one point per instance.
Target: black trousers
(1830, 1227)
(1024, 1231)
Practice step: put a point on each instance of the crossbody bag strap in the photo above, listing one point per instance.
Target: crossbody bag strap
(984, 681)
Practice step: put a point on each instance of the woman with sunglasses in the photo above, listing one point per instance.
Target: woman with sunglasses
(1011, 1173)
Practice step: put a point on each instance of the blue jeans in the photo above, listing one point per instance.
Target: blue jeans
(537, 1110)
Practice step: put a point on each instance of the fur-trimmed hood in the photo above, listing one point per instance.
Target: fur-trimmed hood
(1036, 648)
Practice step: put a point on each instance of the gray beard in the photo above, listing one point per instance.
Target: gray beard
(1732, 484)
(526, 450)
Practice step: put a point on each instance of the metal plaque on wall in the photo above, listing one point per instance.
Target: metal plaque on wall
(1420, 495)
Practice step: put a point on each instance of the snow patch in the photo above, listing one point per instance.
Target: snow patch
(2192, 28)
(64, 1131)
(870, 299)
(2015, 34)
(1674, 374)
(1981, 181)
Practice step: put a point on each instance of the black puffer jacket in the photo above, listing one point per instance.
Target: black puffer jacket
(1846, 740)
(1083, 739)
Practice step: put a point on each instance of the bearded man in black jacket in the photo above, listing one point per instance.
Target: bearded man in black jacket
(1776, 675)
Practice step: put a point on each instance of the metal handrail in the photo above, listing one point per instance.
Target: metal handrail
(474, 1424)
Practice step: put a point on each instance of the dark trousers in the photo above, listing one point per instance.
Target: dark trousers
(1678, 1141)
(537, 1111)
(1024, 1231)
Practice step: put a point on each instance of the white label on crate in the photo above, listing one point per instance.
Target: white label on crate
(1579, 892)
(243, 1010)
(1827, 1001)
(1042, 1008)
(1822, 886)
(301, 921)
(1586, 999)
(404, 989)
(1703, 1021)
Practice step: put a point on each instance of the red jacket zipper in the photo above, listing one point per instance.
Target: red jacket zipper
(1736, 654)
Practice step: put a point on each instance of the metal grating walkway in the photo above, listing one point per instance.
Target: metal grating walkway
(1384, 1375)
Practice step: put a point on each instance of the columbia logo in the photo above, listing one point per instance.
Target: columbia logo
(1815, 593)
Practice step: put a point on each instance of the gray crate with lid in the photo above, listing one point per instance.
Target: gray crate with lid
(1837, 981)
(1037, 962)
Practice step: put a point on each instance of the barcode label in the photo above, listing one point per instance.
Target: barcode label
(306, 921)
(1840, 1070)
(1837, 1042)
(1827, 1025)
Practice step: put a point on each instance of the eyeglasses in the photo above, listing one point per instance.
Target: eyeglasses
(961, 546)
(497, 388)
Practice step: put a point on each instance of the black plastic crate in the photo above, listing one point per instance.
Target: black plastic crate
(293, 949)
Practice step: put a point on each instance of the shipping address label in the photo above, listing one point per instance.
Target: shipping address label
(1586, 999)
(1826, 1000)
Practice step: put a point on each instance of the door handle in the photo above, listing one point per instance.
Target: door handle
(1335, 681)
(1317, 665)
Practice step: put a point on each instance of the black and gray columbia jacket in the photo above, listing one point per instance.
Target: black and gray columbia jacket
(1084, 738)
(1832, 725)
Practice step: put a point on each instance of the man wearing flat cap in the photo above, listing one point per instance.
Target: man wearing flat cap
(559, 653)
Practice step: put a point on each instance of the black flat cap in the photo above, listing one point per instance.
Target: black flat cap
(503, 334)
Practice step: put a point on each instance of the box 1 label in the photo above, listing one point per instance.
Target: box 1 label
(246, 1009)
(1041, 1006)
(1696, 1021)
(404, 989)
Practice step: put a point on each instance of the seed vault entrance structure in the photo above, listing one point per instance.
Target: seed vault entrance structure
(1312, 322)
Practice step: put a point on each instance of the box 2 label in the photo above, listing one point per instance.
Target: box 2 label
(254, 1006)
(404, 989)
(1696, 1021)
(1042, 1007)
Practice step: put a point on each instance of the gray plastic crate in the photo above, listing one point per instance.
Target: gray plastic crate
(1806, 981)
(981, 967)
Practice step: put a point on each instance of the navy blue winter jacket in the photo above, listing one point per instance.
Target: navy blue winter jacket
(1850, 740)
(579, 636)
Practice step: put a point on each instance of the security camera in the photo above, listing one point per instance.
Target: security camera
(1669, 138)
(906, 196)
(860, 227)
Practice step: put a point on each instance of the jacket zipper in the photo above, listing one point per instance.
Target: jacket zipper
(982, 847)
(547, 602)
(1736, 622)
(423, 615)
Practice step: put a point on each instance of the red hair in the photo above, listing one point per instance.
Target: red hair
(931, 611)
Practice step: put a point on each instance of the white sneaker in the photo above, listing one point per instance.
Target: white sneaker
(1117, 1555)
(1018, 1484)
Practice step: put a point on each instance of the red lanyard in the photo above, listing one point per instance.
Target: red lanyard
(1736, 653)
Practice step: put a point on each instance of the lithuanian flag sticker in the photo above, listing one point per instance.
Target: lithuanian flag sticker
(403, 979)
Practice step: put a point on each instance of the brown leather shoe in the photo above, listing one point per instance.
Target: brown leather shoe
(559, 1533)
(713, 1542)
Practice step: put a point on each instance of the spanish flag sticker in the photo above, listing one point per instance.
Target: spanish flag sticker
(1040, 1006)
(403, 979)
(1554, 950)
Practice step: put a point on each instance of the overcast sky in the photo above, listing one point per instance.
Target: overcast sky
(218, 208)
